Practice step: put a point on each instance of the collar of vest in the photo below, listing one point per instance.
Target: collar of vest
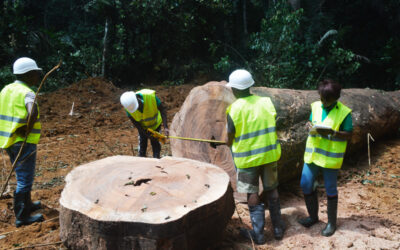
(330, 107)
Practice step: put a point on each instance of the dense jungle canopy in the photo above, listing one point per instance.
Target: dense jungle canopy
(291, 44)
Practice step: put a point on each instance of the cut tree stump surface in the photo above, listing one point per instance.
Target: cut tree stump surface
(135, 199)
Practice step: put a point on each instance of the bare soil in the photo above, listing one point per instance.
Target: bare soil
(369, 196)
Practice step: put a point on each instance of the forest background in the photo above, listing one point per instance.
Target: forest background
(286, 44)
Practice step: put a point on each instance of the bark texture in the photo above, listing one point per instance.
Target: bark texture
(203, 116)
(125, 202)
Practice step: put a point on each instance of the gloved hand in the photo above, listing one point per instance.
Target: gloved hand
(156, 136)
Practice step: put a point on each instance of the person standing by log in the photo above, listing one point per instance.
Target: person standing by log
(325, 149)
(255, 149)
(146, 111)
(16, 105)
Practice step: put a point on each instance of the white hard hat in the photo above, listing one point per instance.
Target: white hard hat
(23, 65)
(129, 101)
(240, 79)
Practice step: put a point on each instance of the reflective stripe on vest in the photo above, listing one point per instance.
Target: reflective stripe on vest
(13, 115)
(327, 151)
(151, 116)
(255, 140)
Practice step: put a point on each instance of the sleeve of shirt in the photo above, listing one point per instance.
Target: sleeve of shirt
(310, 117)
(230, 127)
(158, 101)
(29, 97)
(127, 113)
(347, 124)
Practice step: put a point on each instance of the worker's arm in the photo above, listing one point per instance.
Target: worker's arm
(164, 118)
(345, 131)
(230, 128)
(231, 137)
(344, 135)
(339, 134)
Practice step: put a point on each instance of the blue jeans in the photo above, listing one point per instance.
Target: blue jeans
(310, 172)
(25, 167)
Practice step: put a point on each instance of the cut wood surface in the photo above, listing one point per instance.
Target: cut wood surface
(203, 116)
(132, 202)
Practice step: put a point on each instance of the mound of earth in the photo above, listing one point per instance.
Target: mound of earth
(368, 195)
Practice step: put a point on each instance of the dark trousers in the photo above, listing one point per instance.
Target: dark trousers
(155, 144)
(25, 167)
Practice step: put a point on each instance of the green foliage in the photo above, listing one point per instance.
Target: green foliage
(224, 65)
(6, 76)
(172, 41)
(288, 57)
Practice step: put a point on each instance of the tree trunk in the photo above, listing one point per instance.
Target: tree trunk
(203, 116)
(244, 17)
(126, 202)
(105, 49)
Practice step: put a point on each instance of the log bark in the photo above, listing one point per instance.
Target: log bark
(126, 202)
(203, 116)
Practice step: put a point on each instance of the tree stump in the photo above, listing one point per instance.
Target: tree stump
(125, 202)
(202, 115)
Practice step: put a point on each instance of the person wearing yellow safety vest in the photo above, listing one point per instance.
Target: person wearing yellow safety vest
(146, 111)
(255, 149)
(325, 149)
(16, 104)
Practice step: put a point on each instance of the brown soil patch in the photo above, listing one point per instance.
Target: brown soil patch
(369, 202)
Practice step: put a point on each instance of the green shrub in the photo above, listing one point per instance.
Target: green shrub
(6, 76)
(287, 55)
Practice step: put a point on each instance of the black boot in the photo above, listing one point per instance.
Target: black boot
(332, 216)
(257, 216)
(34, 205)
(312, 208)
(276, 218)
(22, 210)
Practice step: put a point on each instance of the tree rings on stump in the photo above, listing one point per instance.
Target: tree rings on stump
(125, 202)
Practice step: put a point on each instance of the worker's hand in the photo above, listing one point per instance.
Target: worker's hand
(21, 131)
(309, 126)
(166, 132)
(216, 144)
(324, 131)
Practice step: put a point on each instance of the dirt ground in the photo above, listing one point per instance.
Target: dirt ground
(369, 196)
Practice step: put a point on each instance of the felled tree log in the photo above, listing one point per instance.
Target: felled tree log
(125, 202)
(203, 116)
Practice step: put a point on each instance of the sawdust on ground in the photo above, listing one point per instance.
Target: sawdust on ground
(369, 202)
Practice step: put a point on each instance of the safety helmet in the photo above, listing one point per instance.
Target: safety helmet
(240, 79)
(129, 101)
(23, 65)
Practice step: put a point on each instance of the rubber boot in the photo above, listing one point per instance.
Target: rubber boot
(36, 205)
(312, 208)
(276, 218)
(332, 216)
(257, 216)
(22, 210)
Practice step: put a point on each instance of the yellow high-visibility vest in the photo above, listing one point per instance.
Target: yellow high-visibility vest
(256, 142)
(13, 115)
(327, 151)
(151, 116)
